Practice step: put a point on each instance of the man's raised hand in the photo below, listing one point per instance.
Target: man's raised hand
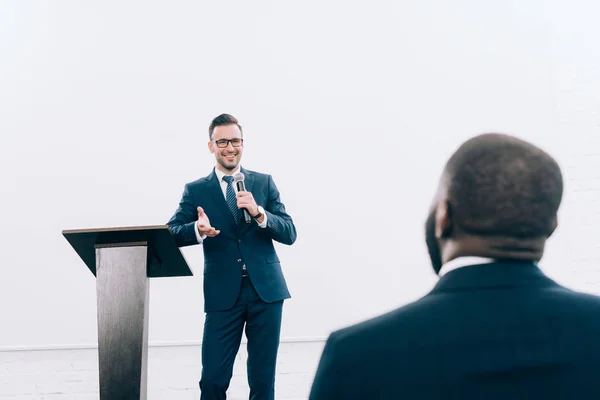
(203, 224)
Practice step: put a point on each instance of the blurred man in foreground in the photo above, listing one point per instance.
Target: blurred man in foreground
(494, 326)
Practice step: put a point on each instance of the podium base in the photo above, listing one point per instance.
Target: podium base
(122, 299)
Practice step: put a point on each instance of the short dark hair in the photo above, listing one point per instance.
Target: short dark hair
(499, 185)
(222, 120)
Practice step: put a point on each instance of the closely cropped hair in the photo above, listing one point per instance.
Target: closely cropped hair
(222, 120)
(500, 185)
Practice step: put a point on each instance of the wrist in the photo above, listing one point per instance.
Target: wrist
(259, 213)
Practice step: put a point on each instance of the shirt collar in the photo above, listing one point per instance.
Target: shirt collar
(220, 174)
(461, 262)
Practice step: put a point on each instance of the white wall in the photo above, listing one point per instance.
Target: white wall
(353, 108)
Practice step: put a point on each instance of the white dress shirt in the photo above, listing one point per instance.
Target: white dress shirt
(220, 174)
(462, 262)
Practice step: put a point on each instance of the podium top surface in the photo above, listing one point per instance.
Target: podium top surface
(165, 257)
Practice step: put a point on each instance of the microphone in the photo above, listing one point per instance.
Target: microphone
(238, 178)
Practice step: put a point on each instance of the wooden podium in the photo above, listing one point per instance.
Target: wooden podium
(122, 259)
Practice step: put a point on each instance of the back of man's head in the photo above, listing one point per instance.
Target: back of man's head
(495, 187)
(503, 186)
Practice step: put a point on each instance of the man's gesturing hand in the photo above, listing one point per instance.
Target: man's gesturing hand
(203, 224)
(246, 200)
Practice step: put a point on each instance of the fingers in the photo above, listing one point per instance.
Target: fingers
(213, 232)
(200, 212)
(245, 201)
(243, 195)
(208, 230)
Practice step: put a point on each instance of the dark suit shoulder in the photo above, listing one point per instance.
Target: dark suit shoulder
(579, 302)
(423, 317)
(363, 352)
(199, 181)
(382, 326)
(575, 295)
(256, 174)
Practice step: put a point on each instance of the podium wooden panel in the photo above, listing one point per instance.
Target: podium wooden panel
(122, 259)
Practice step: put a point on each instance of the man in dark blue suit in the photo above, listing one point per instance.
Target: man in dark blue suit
(243, 281)
(494, 326)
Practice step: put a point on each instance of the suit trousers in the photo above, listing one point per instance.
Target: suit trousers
(221, 341)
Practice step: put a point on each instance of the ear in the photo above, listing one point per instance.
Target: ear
(443, 223)
(211, 147)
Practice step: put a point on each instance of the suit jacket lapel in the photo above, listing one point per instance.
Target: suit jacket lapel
(248, 179)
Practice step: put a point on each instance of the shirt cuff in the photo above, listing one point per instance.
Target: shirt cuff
(198, 236)
(263, 224)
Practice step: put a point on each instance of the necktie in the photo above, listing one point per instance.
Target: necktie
(231, 199)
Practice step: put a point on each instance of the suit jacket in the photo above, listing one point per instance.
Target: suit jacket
(497, 331)
(234, 246)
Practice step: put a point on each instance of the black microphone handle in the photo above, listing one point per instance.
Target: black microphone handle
(242, 188)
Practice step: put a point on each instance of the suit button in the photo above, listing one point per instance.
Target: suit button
(240, 240)
(239, 260)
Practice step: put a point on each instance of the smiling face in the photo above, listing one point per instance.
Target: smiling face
(227, 146)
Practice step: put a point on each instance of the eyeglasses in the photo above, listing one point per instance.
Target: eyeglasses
(222, 143)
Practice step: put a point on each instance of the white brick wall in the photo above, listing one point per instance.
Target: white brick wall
(173, 373)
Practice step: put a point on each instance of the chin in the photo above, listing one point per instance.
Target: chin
(230, 166)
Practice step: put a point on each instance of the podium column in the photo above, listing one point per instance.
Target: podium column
(122, 288)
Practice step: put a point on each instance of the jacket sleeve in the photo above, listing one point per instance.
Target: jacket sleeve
(183, 223)
(279, 224)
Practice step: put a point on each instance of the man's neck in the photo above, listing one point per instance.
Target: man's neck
(223, 171)
(499, 248)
